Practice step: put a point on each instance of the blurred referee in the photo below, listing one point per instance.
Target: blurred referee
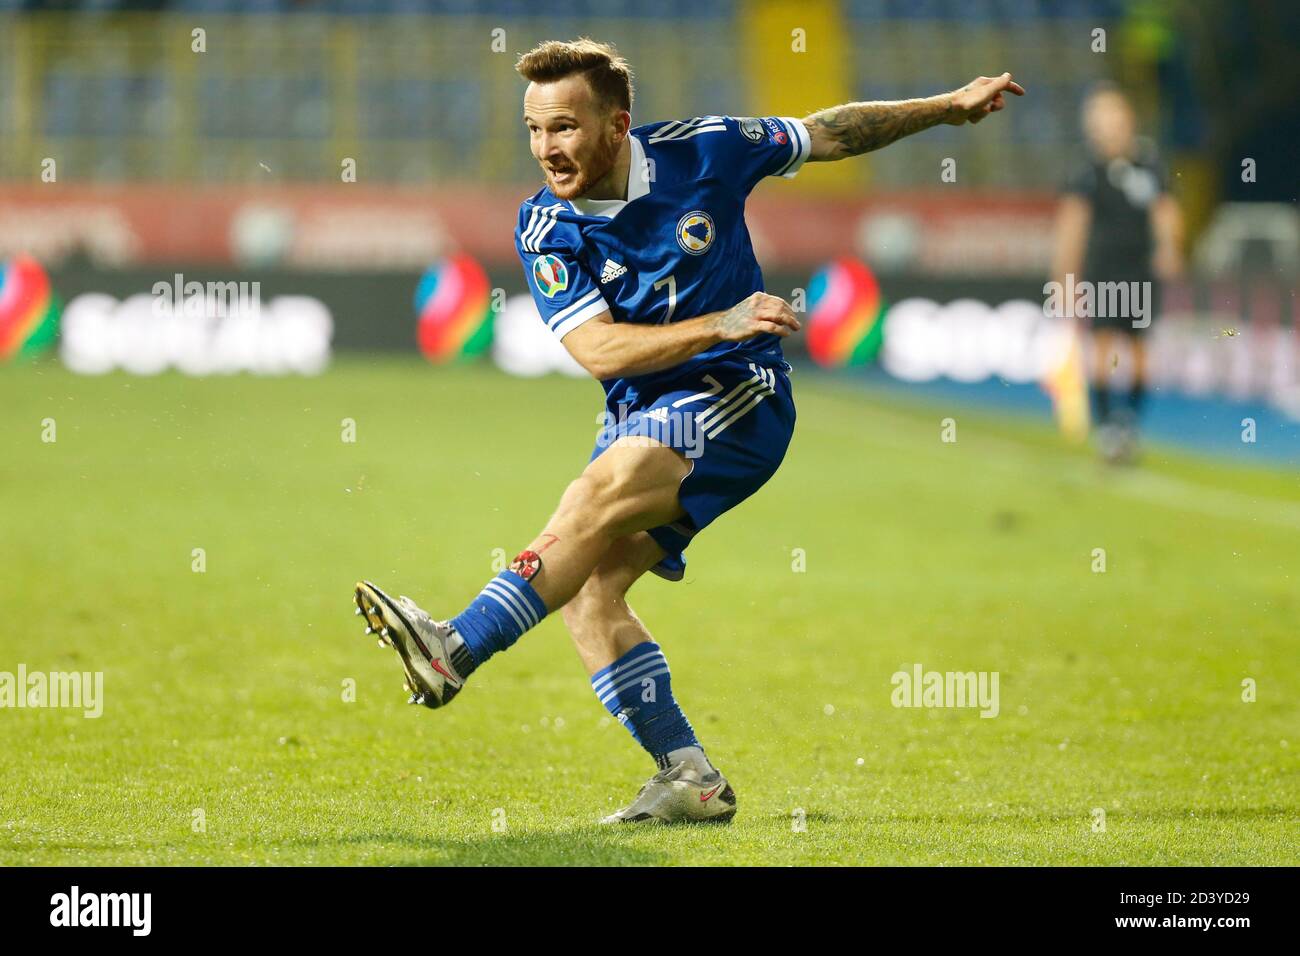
(1116, 223)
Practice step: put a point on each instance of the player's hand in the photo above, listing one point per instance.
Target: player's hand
(760, 314)
(980, 97)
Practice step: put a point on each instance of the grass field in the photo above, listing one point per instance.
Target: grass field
(224, 689)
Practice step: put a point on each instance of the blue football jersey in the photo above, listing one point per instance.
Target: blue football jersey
(675, 249)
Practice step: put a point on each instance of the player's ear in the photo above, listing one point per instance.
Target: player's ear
(622, 123)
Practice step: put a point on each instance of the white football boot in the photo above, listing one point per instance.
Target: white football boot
(420, 642)
(680, 794)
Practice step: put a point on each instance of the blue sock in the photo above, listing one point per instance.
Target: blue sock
(637, 689)
(506, 608)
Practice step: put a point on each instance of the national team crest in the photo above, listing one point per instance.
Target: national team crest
(550, 274)
(695, 232)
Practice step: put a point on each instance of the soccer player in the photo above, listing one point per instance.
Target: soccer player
(638, 258)
(1117, 223)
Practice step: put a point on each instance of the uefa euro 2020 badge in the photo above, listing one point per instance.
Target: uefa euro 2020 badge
(550, 274)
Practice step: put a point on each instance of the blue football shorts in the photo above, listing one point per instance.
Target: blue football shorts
(733, 421)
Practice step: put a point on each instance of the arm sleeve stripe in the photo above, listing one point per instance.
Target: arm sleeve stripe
(800, 146)
(570, 323)
(574, 306)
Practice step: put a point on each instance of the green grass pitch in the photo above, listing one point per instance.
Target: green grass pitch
(224, 690)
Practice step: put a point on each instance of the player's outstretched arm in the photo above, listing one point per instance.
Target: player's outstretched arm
(609, 349)
(856, 128)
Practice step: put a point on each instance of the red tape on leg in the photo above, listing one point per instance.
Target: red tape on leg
(526, 564)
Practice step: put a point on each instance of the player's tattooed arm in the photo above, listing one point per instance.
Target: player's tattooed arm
(759, 314)
(856, 128)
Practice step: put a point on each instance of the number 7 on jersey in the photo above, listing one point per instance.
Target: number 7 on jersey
(671, 282)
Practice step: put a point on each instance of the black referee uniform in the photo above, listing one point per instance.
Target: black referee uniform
(1121, 242)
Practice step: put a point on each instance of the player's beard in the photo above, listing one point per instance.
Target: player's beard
(597, 166)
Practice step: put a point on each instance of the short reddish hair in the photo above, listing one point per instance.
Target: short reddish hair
(607, 73)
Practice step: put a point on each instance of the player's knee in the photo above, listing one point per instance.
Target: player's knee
(599, 497)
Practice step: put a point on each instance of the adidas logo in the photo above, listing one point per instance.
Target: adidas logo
(611, 271)
(658, 414)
